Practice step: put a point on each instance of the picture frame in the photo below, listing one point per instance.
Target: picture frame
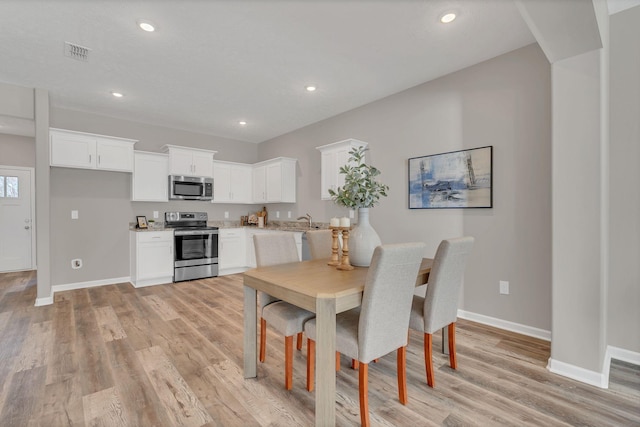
(142, 222)
(452, 180)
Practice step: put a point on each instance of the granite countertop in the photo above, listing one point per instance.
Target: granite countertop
(296, 226)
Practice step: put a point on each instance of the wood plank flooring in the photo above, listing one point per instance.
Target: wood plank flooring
(171, 355)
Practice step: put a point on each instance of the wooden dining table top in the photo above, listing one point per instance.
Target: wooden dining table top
(302, 283)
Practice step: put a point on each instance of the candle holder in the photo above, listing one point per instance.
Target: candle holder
(344, 264)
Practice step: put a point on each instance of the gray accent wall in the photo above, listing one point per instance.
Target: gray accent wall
(17, 150)
(623, 326)
(504, 102)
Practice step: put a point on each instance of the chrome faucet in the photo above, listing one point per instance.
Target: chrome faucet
(307, 217)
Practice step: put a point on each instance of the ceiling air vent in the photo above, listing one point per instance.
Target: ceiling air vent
(77, 52)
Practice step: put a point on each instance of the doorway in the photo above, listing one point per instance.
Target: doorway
(17, 227)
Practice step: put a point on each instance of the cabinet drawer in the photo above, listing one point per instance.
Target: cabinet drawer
(154, 236)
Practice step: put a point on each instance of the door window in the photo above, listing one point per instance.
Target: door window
(9, 187)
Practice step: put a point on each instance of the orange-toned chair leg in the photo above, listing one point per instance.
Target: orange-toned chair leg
(402, 375)
(337, 361)
(263, 339)
(354, 364)
(428, 359)
(375, 360)
(452, 346)
(288, 362)
(363, 386)
(311, 362)
(299, 341)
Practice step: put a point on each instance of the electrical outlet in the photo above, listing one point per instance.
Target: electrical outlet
(288, 214)
(156, 215)
(74, 214)
(76, 263)
(277, 214)
(504, 287)
(226, 214)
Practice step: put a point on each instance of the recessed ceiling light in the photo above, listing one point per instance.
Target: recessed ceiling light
(146, 26)
(447, 17)
(242, 123)
(117, 94)
(310, 88)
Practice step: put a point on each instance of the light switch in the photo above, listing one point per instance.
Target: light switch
(74, 214)
(156, 215)
(226, 214)
(277, 214)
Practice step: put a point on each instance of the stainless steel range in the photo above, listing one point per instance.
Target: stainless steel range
(196, 245)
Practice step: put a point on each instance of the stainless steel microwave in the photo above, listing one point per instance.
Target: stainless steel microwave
(190, 188)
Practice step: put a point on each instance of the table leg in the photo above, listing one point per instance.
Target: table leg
(325, 362)
(445, 341)
(250, 334)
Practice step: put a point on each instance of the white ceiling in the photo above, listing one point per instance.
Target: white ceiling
(213, 63)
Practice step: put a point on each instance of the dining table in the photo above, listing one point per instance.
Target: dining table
(322, 289)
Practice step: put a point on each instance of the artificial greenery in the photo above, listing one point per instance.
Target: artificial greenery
(361, 189)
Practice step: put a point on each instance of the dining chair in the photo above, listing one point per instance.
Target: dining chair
(272, 249)
(439, 307)
(320, 242)
(379, 326)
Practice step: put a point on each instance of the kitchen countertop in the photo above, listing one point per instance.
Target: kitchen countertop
(295, 226)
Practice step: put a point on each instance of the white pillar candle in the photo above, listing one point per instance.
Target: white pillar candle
(344, 222)
(335, 222)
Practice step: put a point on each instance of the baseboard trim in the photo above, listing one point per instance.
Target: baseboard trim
(89, 284)
(44, 301)
(505, 324)
(623, 355)
(577, 373)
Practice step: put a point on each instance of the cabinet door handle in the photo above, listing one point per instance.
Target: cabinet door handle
(89, 158)
(98, 158)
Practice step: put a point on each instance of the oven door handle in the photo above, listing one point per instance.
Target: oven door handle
(195, 232)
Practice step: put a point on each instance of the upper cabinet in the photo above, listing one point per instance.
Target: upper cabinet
(90, 151)
(149, 182)
(334, 156)
(231, 182)
(274, 181)
(190, 161)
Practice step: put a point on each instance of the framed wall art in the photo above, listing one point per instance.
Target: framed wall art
(458, 179)
(142, 222)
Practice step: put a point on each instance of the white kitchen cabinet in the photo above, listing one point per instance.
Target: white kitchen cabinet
(232, 252)
(151, 257)
(332, 158)
(90, 151)
(190, 161)
(232, 182)
(274, 181)
(149, 182)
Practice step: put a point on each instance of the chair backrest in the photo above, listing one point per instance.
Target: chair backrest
(273, 249)
(387, 297)
(319, 243)
(445, 282)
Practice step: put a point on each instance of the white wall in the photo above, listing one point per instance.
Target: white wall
(504, 102)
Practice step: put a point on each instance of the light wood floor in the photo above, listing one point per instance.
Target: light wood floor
(171, 355)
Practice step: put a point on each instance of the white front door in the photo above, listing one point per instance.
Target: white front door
(16, 225)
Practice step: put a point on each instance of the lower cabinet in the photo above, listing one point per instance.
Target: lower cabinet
(231, 251)
(151, 257)
(236, 252)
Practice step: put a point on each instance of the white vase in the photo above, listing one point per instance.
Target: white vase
(363, 239)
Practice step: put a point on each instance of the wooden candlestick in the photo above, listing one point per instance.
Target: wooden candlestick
(345, 265)
(334, 246)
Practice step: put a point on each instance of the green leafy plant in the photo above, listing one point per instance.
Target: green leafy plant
(361, 188)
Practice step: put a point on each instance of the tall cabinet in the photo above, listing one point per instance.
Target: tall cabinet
(274, 181)
(333, 156)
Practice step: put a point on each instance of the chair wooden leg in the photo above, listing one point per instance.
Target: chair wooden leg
(288, 362)
(428, 359)
(452, 346)
(263, 339)
(354, 364)
(402, 375)
(363, 386)
(299, 341)
(311, 362)
(337, 361)
(375, 360)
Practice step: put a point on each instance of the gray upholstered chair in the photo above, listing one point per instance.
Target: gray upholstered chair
(439, 307)
(379, 326)
(272, 249)
(320, 242)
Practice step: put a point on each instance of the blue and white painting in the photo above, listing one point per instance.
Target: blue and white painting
(459, 179)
